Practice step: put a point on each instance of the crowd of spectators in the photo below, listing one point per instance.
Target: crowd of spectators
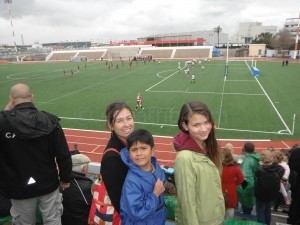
(42, 177)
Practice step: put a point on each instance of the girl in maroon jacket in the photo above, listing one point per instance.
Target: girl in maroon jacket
(232, 176)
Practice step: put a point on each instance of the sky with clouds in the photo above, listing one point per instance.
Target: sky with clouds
(48, 21)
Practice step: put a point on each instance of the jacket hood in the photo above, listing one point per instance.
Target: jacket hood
(276, 168)
(183, 141)
(253, 155)
(136, 169)
(28, 123)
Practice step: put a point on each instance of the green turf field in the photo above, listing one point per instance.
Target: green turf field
(242, 106)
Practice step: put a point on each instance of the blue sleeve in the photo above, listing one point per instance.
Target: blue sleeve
(135, 203)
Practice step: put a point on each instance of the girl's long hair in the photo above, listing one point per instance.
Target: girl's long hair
(212, 146)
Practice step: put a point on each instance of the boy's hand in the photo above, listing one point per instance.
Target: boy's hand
(158, 188)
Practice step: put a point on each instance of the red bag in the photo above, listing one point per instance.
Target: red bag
(102, 211)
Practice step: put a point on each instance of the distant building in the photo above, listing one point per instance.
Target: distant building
(292, 25)
(248, 31)
(68, 45)
(196, 38)
(257, 50)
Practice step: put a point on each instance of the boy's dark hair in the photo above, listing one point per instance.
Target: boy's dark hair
(249, 147)
(140, 135)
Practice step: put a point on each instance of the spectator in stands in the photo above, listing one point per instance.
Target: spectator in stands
(281, 159)
(237, 158)
(35, 157)
(142, 200)
(77, 198)
(75, 150)
(119, 120)
(294, 179)
(248, 166)
(198, 166)
(267, 186)
(232, 176)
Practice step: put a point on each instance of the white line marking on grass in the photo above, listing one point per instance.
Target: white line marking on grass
(240, 80)
(161, 81)
(97, 131)
(172, 108)
(287, 128)
(207, 92)
(83, 119)
(251, 131)
(221, 104)
(158, 74)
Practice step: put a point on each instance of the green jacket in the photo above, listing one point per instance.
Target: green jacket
(199, 191)
(248, 166)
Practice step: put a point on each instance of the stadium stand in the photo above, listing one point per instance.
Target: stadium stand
(192, 53)
(64, 56)
(158, 53)
(92, 55)
(122, 52)
(129, 52)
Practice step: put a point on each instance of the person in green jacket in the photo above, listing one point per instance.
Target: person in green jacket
(198, 168)
(249, 165)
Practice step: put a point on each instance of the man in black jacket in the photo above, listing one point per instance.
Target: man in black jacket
(294, 163)
(34, 159)
(77, 199)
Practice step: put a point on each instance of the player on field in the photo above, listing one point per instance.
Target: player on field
(139, 102)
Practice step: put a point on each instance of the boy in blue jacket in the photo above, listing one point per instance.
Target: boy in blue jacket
(142, 200)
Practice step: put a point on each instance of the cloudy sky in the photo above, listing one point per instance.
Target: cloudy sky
(101, 21)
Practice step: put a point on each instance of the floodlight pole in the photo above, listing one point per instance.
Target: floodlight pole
(12, 27)
(297, 36)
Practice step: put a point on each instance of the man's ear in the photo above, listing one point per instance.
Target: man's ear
(32, 98)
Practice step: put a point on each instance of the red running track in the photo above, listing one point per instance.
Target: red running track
(92, 144)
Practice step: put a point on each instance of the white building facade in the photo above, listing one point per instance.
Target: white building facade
(248, 31)
(292, 25)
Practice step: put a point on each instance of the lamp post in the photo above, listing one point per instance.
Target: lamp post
(297, 37)
(12, 27)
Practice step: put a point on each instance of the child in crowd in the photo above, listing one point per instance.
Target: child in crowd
(232, 176)
(142, 200)
(281, 158)
(249, 165)
(267, 186)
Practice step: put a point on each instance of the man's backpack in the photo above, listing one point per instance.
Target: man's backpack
(102, 211)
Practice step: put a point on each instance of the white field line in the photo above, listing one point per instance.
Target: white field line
(280, 117)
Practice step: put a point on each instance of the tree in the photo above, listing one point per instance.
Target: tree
(282, 40)
(218, 30)
(263, 38)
